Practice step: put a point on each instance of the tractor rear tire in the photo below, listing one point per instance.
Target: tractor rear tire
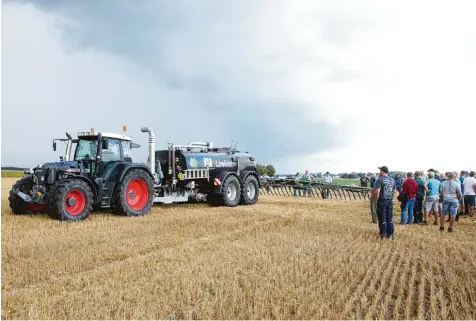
(18, 205)
(70, 200)
(134, 194)
(250, 191)
(231, 191)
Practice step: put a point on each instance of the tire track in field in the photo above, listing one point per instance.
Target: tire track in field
(389, 303)
(357, 292)
(433, 294)
(139, 256)
(470, 297)
(442, 309)
(325, 308)
(350, 290)
(403, 291)
(447, 293)
(408, 312)
(426, 300)
(418, 308)
(381, 281)
(464, 306)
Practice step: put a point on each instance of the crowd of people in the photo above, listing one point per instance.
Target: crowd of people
(421, 195)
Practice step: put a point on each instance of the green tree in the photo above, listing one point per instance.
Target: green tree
(261, 169)
(266, 169)
(270, 170)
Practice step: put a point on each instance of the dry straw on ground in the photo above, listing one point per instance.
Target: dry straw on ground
(284, 258)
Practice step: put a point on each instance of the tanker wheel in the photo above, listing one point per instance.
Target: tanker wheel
(18, 205)
(250, 191)
(70, 200)
(230, 193)
(135, 194)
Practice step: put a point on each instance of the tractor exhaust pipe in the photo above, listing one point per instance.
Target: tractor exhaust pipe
(151, 147)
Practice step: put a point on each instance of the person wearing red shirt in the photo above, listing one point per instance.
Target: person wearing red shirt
(409, 189)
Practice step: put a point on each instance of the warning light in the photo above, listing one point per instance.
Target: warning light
(92, 130)
(124, 128)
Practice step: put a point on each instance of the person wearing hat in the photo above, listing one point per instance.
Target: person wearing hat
(383, 192)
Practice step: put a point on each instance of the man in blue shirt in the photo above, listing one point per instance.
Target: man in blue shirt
(432, 197)
(383, 191)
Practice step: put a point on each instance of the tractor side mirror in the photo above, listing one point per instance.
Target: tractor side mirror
(61, 158)
(134, 145)
(54, 146)
(105, 143)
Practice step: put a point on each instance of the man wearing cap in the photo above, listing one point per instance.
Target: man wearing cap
(383, 191)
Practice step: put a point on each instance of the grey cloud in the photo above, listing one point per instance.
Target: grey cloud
(188, 49)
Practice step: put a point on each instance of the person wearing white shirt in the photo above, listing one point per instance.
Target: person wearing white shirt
(470, 192)
(327, 178)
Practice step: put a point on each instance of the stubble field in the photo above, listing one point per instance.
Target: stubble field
(284, 258)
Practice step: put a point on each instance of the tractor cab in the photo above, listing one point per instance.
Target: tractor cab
(98, 151)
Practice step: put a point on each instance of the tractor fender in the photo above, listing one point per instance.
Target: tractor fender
(245, 174)
(127, 167)
(217, 185)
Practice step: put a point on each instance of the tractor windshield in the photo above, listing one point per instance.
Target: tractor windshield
(86, 149)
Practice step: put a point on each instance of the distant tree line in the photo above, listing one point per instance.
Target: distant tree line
(11, 168)
(354, 175)
(266, 170)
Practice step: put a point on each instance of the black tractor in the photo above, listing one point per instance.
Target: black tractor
(101, 174)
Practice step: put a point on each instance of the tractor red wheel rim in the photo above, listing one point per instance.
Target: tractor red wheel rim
(137, 194)
(79, 202)
(35, 207)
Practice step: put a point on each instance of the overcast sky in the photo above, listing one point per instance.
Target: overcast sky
(319, 85)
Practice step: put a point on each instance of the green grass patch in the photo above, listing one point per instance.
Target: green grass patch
(346, 181)
(6, 173)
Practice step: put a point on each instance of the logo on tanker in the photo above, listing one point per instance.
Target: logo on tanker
(224, 163)
(193, 162)
(207, 162)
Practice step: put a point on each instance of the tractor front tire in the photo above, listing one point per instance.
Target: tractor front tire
(134, 194)
(18, 205)
(250, 191)
(230, 193)
(70, 200)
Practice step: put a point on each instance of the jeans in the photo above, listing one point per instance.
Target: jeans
(450, 207)
(408, 207)
(385, 223)
(419, 209)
